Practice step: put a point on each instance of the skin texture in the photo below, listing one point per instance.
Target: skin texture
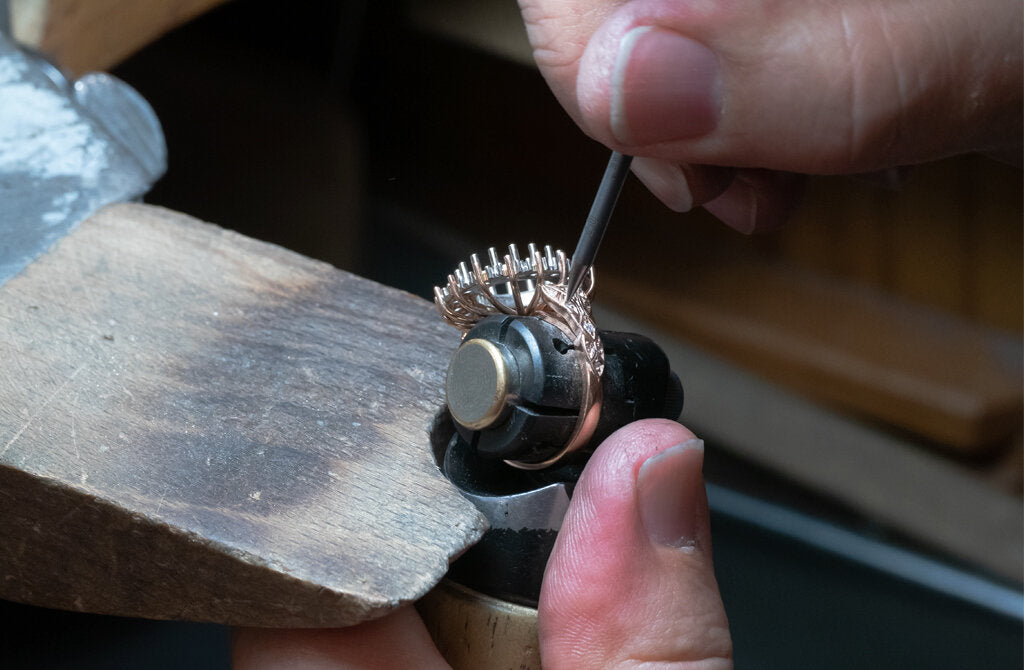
(805, 87)
(398, 640)
(613, 595)
(629, 584)
(726, 104)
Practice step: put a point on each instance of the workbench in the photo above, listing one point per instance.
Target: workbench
(863, 364)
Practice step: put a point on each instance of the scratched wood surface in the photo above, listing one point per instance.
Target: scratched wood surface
(197, 425)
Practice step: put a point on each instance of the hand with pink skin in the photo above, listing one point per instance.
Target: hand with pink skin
(726, 102)
(629, 583)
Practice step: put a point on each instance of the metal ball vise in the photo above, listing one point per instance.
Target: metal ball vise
(534, 383)
(531, 391)
(520, 392)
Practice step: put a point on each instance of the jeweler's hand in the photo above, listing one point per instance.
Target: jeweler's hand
(398, 640)
(778, 87)
(629, 582)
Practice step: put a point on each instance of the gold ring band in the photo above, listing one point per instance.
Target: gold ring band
(532, 286)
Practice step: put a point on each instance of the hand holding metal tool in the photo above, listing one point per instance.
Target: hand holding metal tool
(534, 387)
(535, 382)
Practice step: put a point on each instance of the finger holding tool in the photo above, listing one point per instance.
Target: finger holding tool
(532, 389)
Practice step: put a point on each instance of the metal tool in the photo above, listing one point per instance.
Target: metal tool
(534, 382)
(597, 221)
(66, 149)
(530, 392)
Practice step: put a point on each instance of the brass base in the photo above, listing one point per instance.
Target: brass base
(477, 632)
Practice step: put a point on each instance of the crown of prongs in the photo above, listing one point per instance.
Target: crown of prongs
(506, 285)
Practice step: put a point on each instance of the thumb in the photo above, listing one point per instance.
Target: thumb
(816, 88)
(630, 579)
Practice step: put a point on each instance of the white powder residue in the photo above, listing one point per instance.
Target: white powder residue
(61, 145)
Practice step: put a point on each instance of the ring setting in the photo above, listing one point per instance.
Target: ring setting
(534, 285)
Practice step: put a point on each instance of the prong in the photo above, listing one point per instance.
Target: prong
(510, 284)
(563, 266)
(484, 286)
(513, 284)
(488, 293)
(446, 311)
(474, 304)
(455, 290)
(535, 298)
(531, 248)
(517, 297)
(538, 262)
(478, 271)
(457, 301)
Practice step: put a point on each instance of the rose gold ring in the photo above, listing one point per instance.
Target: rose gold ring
(532, 286)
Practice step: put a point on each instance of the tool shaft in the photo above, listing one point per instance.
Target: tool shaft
(597, 221)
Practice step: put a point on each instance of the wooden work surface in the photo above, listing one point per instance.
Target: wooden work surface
(197, 425)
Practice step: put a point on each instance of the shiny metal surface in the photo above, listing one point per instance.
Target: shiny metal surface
(541, 509)
(66, 149)
(534, 285)
(477, 384)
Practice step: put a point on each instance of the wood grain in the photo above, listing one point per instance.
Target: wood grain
(197, 425)
(888, 478)
(922, 370)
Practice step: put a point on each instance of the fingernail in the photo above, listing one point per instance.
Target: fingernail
(670, 487)
(664, 87)
(666, 181)
(736, 208)
(681, 186)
